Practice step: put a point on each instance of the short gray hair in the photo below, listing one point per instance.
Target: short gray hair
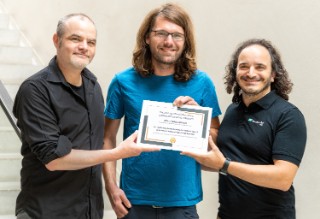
(61, 23)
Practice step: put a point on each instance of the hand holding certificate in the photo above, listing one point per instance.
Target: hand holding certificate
(183, 128)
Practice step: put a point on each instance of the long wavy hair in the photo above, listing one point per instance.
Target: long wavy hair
(282, 83)
(142, 58)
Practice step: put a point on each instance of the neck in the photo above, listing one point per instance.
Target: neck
(72, 76)
(248, 99)
(163, 69)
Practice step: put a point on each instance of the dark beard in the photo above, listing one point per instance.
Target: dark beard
(252, 94)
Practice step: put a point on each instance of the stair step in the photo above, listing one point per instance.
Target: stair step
(10, 186)
(15, 54)
(17, 73)
(7, 217)
(10, 166)
(9, 37)
(4, 21)
(4, 123)
(12, 143)
(12, 89)
(10, 156)
(8, 194)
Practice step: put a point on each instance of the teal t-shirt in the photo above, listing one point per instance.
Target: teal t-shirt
(162, 178)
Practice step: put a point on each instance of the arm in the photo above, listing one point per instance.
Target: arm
(117, 197)
(111, 128)
(279, 175)
(42, 132)
(214, 126)
(79, 159)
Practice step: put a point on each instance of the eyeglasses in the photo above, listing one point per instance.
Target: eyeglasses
(162, 34)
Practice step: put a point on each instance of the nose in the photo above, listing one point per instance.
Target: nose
(83, 44)
(169, 38)
(251, 71)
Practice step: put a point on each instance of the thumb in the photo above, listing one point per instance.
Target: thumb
(133, 136)
(211, 143)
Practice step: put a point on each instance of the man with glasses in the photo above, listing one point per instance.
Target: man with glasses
(162, 184)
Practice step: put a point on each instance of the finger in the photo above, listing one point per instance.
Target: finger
(133, 136)
(125, 201)
(150, 148)
(210, 141)
(187, 100)
(121, 211)
(182, 100)
(189, 154)
(177, 102)
(192, 102)
(212, 145)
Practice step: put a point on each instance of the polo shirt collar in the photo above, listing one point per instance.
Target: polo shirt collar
(265, 102)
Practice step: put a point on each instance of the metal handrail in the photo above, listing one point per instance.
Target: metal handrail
(7, 105)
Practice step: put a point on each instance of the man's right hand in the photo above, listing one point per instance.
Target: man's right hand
(119, 202)
(129, 147)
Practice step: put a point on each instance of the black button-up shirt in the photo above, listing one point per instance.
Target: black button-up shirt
(53, 120)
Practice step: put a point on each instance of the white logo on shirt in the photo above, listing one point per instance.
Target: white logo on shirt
(257, 122)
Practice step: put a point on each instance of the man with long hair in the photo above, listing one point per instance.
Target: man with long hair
(261, 139)
(161, 184)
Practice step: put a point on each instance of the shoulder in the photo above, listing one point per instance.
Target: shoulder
(126, 74)
(285, 115)
(202, 77)
(124, 78)
(35, 81)
(201, 74)
(284, 107)
(232, 108)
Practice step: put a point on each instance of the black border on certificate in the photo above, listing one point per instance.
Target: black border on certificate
(204, 112)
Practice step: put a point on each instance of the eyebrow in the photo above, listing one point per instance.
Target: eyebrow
(79, 36)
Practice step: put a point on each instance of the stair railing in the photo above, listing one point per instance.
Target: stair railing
(7, 105)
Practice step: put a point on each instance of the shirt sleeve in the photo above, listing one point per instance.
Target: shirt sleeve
(38, 123)
(210, 97)
(290, 138)
(114, 104)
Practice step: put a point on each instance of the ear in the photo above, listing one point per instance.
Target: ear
(55, 40)
(147, 40)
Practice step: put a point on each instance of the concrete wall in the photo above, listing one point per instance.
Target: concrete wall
(292, 25)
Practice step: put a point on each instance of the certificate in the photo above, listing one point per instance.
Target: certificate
(183, 128)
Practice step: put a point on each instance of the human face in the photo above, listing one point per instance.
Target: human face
(165, 50)
(76, 48)
(254, 72)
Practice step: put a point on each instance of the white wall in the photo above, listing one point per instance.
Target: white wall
(292, 25)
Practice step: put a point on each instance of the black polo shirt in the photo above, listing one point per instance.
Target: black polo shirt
(269, 129)
(54, 119)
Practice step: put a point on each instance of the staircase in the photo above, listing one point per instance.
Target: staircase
(17, 62)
